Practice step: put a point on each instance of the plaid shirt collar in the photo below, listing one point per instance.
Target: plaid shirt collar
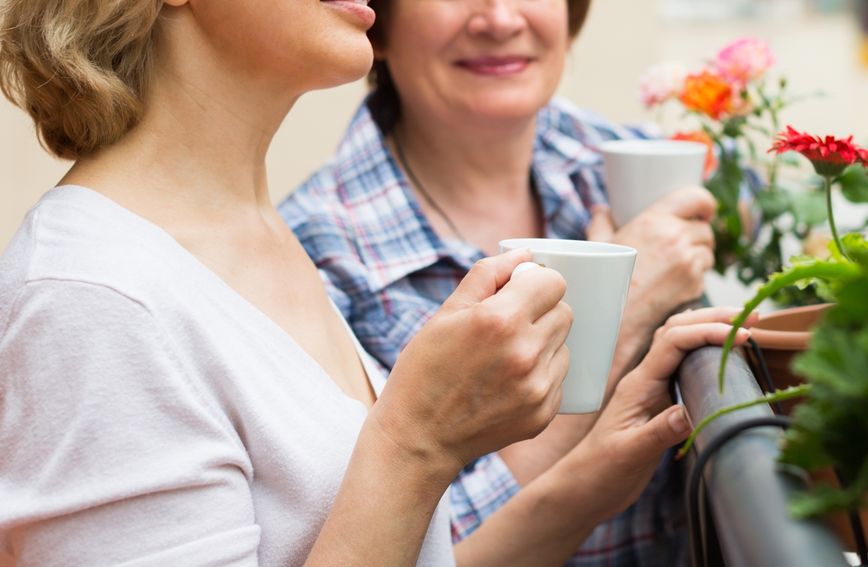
(364, 154)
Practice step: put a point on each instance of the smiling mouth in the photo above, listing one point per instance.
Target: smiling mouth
(495, 66)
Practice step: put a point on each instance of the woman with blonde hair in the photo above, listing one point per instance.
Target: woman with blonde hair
(176, 387)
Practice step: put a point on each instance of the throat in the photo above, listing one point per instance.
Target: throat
(484, 211)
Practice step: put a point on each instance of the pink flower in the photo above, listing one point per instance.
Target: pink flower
(744, 60)
(661, 83)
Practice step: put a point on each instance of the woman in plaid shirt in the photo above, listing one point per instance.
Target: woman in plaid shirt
(458, 146)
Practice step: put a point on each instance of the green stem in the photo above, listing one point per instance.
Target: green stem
(776, 127)
(780, 281)
(838, 244)
(776, 396)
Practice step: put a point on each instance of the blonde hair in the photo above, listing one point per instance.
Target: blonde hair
(80, 68)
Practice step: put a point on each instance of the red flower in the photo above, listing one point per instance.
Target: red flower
(829, 155)
(701, 136)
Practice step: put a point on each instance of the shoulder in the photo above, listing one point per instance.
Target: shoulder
(93, 384)
(563, 117)
(74, 233)
(78, 254)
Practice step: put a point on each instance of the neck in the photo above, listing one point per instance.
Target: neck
(202, 142)
(468, 164)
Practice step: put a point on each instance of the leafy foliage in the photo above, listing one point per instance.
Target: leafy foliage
(830, 427)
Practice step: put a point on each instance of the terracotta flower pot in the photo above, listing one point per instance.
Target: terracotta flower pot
(781, 335)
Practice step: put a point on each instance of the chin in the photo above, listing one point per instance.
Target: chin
(352, 63)
(503, 107)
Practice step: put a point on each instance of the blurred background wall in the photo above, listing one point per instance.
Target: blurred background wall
(817, 43)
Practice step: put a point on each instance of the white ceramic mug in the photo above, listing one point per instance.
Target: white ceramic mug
(641, 172)
(598, 278)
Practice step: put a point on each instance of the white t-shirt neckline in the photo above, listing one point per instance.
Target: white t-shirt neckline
(374, 375)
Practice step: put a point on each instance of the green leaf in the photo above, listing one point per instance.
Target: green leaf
(854, 184)
(725, 184)
(809, 207)
(820, 500)
(831, 269)
(776, 396)
(857, 248)
(830, 427)
(773, 203)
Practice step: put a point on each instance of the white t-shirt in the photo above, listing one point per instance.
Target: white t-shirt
(150, 415)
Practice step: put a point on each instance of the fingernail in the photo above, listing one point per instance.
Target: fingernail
(523, 267)
(742, 334)
(679, 422)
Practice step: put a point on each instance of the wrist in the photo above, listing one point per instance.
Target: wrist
(424, 465)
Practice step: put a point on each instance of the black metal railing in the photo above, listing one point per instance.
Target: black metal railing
(746, 489)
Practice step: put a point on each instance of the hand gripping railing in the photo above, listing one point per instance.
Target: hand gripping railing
(746, 488)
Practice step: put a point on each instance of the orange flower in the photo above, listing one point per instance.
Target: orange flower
(701, 136)
(707, 93)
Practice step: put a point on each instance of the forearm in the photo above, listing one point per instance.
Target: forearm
(544, 524)
(527, 460)
(384, 506)
(642, 316)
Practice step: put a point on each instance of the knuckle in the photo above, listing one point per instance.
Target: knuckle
(536, 393)
(565, 311)
(524, 359)
(671, 236)
(491, 322)
(709, 234)
(484, 265)
(544, 417)
(558, 282)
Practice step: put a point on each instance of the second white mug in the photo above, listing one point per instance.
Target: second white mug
(641, 172)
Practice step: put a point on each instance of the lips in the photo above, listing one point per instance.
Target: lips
(495, 66)
(357, 9)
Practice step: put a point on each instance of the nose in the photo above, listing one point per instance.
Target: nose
(500, 19)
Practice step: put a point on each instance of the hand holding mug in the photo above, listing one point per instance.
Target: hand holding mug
(486, 370)
(622, 450)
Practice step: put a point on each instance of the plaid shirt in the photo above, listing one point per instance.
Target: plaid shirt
(388, 272)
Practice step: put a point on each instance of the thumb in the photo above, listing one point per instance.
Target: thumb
(690, 203)
(486, 277)
(666, 429)
(601, 228)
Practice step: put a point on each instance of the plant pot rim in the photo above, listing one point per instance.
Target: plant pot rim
(770, 331)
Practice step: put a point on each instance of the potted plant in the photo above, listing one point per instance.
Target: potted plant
(764, 203)
(830, 425)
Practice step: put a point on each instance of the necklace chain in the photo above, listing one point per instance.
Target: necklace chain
(421, 188)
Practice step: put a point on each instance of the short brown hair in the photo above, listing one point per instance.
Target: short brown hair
(384, 102)
(80, 68)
